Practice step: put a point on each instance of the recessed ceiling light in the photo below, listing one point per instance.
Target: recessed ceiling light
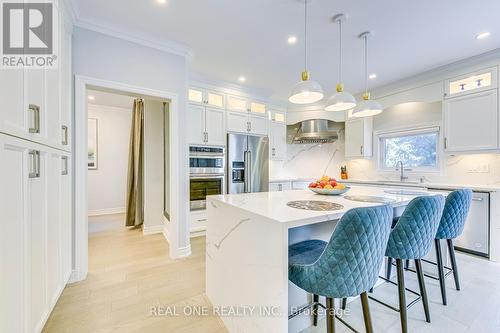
(292, 40)
(161, 1)
(372, 76)
(242, 79)
(91, 98)
(483, 35)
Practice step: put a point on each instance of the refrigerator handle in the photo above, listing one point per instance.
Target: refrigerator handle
(245, 172)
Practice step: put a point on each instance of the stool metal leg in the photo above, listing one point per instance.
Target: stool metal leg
(388, 269)
(402, 296)
(440, 266)
(344, 303)
(315, 310)
(330, 315)
(407, 265)
(366, 313)
(423, 292)
(453, 263)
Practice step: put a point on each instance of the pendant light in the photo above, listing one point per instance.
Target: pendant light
(341, 100)
(306, 91)
(367, 107)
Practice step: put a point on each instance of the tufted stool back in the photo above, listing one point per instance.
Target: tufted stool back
(414, 233)
(351, 261)
(455, 214)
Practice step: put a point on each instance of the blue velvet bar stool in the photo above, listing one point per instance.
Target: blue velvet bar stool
(346, 266)
(411, 239)
(451, 226)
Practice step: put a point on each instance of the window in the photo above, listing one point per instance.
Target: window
(417, 149)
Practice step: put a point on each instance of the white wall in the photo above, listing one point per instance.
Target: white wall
(454, 168)
(108, 58)
(153, 166)
(108, 184)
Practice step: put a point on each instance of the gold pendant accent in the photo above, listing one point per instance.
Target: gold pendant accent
(305, 75)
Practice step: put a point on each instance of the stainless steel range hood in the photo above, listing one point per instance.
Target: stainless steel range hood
(314, 131)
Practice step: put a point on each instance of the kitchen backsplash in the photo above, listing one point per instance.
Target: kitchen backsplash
(310, 161)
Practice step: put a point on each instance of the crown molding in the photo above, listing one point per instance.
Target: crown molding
(179, 49)
(137, 38)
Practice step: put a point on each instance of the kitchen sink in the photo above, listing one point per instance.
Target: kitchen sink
(406, 192)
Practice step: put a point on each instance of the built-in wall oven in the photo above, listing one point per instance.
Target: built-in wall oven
(207, 174)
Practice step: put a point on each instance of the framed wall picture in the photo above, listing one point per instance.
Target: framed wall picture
(92, 144)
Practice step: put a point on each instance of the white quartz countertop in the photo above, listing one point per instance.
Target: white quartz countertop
(273, 205)
(429, 185)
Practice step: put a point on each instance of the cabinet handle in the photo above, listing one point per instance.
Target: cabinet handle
(361, 150)
(280, 187)
(34, 164)
(249, 126)
(35, 109)
(274, 151)
(64, 141)
(206, 136)
(64, 160)
(477, 199)
(445, 143)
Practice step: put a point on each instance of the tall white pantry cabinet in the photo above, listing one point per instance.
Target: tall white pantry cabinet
(35, 189)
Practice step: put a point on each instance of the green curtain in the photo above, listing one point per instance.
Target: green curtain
(135, 210)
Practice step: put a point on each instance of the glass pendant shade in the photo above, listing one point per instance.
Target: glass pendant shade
(306, 92)
(367, 108)
(340, 101)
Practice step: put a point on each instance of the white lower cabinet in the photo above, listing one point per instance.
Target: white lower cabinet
(280, 186)
(35, 200)
(198, 220)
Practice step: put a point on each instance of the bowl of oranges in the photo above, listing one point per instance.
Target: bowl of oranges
(328, 186)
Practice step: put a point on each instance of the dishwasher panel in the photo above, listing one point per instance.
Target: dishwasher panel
(476, 236)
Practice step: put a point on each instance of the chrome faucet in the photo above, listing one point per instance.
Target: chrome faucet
(402, 176)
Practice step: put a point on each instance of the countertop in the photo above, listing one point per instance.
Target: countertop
(427, 185)
(273, 205)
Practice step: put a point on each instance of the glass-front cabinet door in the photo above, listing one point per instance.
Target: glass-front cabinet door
(478, 81)
(237, 104)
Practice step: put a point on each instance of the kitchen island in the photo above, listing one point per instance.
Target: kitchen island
(247, 253)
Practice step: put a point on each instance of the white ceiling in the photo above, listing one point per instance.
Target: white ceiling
(231, 38)
(111, 99)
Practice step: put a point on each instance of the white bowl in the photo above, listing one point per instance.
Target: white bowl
(323, 191)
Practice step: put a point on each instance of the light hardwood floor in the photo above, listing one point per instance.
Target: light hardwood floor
(128, 274)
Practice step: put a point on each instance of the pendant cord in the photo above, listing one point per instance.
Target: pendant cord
(305, 35)
(340, 51)
(366, 64)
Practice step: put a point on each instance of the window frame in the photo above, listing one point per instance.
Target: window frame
(432, 129)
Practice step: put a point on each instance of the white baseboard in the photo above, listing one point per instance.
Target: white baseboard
(107, 211)
(75, 277)
(165, 233)
(183, 252)
(198, 232)
(151, 230)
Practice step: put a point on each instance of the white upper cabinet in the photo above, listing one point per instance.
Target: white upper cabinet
(36, 102)
(277, 136)
(215, 127)
(359, 137)
(471, 122)
(13, 116)
(237, 122)
(196, 121)
(206, 126)
(206, 97)
(471, 83)
(237, 104)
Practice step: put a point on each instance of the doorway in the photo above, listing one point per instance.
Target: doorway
(168, 209)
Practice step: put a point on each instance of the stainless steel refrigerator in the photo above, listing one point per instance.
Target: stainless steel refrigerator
(247, 163)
